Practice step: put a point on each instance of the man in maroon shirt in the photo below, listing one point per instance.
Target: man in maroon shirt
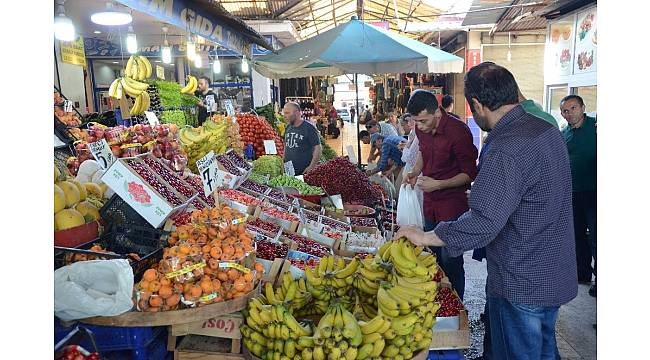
(445, 168)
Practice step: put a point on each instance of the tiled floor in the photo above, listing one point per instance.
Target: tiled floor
(349, 137)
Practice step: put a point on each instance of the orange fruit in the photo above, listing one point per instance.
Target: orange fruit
(150, 275)
(178, 288)
(165, 281)
(248, 277)
(233, 274)
(240, 284)
(155, 301)
(206, 286)
(165, 291)
(154, 286)
(196, 291)
(184, 249)
(144, 285)
(259, 267)
(216, 284)
(222, 276)
(153, 309)
(215, 252)
(173, 300)
(206, 249)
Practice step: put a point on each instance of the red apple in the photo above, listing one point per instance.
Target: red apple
(99, 133)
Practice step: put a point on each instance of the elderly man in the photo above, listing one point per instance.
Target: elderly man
(390, 161)
(372, 127)
(301, 140)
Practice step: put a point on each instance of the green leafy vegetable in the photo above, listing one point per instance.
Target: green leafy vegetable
(271, 165)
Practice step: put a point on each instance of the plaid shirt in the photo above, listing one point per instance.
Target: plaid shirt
(389, 150)
(520, 209)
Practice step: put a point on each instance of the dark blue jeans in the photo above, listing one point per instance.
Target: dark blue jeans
(584, 223)
(452, 266)
(522, 332)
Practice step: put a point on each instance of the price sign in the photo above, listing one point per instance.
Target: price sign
(67, 106)
(300, 177)
(351, 154)
(225, 178)
(160, 72)
(209, 102)
(207, 166)
(337, 201)
(288, 168)
(102, 153)
(269, 147)
(230, 109)
(152, 118)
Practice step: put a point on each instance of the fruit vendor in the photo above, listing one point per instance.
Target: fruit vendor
(202, 92)
(390, 163)
(580, 137)
(302, 142)
(444, 170)
(520, 210)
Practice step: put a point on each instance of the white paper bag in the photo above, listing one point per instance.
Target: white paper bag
(409, 207)
(93, 288)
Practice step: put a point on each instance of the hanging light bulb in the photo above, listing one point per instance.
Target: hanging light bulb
(509, 55)
(191, 48)
(166, 50)
(198, 63)
(111, 17)
(216, 65)
(244, 64)
(63, 26)
(131, 41)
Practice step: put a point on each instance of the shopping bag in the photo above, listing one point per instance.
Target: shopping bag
(409, 207)
(93, 288)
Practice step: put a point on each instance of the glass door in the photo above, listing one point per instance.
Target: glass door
(589, 95)
(555, 94)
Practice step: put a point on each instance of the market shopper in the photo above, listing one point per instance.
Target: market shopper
(580, 137)
(301, 140)
(382, 128)
(405, 123)
(353, 112)
(390, 150)
(444, 170)
(520, 209)
(448, 105)
(202, 92)
(533, 108)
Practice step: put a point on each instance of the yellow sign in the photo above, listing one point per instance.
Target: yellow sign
(160, 72)
(72, 52)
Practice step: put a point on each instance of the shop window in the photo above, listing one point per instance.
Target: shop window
(589, 95)
(555, 95)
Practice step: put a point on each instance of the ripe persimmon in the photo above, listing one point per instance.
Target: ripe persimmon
(165, 291)
(150, 275)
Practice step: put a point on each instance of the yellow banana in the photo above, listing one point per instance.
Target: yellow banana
(371, 275)
(372, 326)
(270, 294)
(188, 86)
(129, 64)
(348, 270)
(112, 90)
(318, 353)
(136, 84)
(371, 338)
(351, 353)
(407, 251)
(137, 106)
(148, 66)
(378, 347)
(398, 257)
(390, 334)
(403, 322)
(307, 354)
(386, 300)
(291, 292)
(290, 348)
(364, 351)
(390, 351)
(335, 354)
(128, 89)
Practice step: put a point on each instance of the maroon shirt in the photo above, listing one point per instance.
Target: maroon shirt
(447, 153)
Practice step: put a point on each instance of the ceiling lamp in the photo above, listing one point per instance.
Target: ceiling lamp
(191, 48)
(216, 65)
(111, 17)
(131, 41)
(63, 26)
(198, 63)
(166, 50)
(244, 65)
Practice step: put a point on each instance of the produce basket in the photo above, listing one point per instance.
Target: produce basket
(117, 212)
(77, 336)
(77, 235)
(146, 242)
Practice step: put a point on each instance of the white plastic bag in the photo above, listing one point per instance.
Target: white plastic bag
(93, 288)
(409, 207)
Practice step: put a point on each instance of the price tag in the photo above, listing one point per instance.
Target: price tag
(67, 106)
(338, 201)
(300, 177)
(269, 147)
(288, 168)
(240, 220)
(152, 118)
(207, 166)
(223, 265)
(209, 102)
(185, 270)
(351, 154)
(230, 109)
(102, 153)
(160, 72)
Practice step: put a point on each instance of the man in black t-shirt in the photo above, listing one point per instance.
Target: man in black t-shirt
(202, 93)
(301, 141)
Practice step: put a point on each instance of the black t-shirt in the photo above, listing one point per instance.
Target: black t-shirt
(203, 111)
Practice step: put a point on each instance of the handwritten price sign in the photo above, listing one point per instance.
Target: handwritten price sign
(102, 153)
(207, 166)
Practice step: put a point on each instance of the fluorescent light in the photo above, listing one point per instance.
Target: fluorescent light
(97, 32)
(116, 62)
(244, 65)
(63, 26)
(191, 49)
(198, 62)
(111, 17)
(157, 61)
(216, 66)
(131, 41)
(171, 64)
(166, 54)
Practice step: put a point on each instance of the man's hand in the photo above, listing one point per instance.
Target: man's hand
(413, 234)
(428, 184)
(411, 179)
(401, 145)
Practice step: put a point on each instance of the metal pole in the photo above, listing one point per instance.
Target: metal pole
(356, 105)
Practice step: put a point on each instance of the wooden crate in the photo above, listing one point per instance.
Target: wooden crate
(224, 326)
(198, 347)
(447, 340)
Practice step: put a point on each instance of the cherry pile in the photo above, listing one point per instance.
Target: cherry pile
(228, 165)
(238, 160)
(253, 186)
(388, 216)
(340, 176)
(181, 219)
(279, 214)
(450, 303)
(279, 204)
(170, 177)
(438, 276)
(150, 178)
(333, 223)
(264, 225)
(195, 182)
(239, 197)
(301, 264)
(269, 250)
(363, 221)
(310, 215)
(276, 195)
(307, 246)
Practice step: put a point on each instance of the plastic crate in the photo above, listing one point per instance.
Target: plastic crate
(137, 340)
(156, 350)
(445, 355)
(123, 240)
(116, 211)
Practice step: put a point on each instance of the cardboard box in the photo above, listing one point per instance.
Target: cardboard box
(224, 326)
(285, 224)
(152, 206)
(451, 332)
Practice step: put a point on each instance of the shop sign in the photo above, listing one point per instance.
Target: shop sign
(472, 59)
(160, 72)
(381, 24)
(72, 52)
(187, 15)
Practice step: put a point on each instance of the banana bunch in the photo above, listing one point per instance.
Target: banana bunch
(373, 342)
(408, 260)
(125, 85)
(190, 87)
(328, 279)
(292, 294)
(271, 332)
(213, 135)
(337, 336)
(138, 68)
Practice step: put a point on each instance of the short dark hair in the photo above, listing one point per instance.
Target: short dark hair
(371, 123)
(207, 79)
(493, 86)
(446, 101)
(422, 100)
(405, 117)
(572, 97)
(363, 133)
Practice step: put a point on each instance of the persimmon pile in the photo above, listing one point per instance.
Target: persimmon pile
(204, 263)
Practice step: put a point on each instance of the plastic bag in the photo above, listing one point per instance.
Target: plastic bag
(93, 288)
(409, 207)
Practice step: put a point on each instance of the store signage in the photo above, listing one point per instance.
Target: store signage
(102, 153)
(152, 118)
(189, 15)
(288, 168)
(230, 110)
(472, 58)
(160, 72)
(207, 166)
(269, 147)
(72, 52)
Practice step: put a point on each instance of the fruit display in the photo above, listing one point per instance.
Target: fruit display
(270, 165)
(76, 352)
(278, 196)
(238, 160)
(67, 118)
(450, 304)
(149, 176)
(217, 134)
(301, 264)
(228, 165)
(190, 87)
(306, 245)
(258, 178)
(254, 130)
(239, 197)
(301, 186)
(75, 204)
(138, 68)
(268, 250)
(275, 213)
(339, 176)
(134, 89)
(203, 265)
(253, 186)
(363, 242)
(335, 224)
(363, 221)
(264, 225)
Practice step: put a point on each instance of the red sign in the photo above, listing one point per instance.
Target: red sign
(472, 58)
(381, 24)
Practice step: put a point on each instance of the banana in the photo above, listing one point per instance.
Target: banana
(351, 353)
(429, 320)
(364, 351)
(420, 270)
(307, 354)
(403, 322)
(112, 90)
(378, 347)
(403, 304)
(335, 354)
(322, 268)
(405, 331)
(291, 292)
(129, 64)
(385, 300)
(295, 326)
(306, 341)
(137, 106)
(340, 264)
(128, 89)
(406, 352)
(142, 68)
(290, 348)
(409, 283)
(412, 301)
(351, 329)
(371, 275)
(311, 277)
(270, 294)
(146, 102)
(348, 270)
(386, 311)
(119, 92)
(338, 318)
(427, 259)
(371, 338)
(147, 65)
(337, 335)
(318, 353)
(390, 351)
(411, 292)
(190, 84)
(399, 341)
(136, 84)
(384, 327)
(407, 251)
(372, 326)
(196, 84)
(399, 260)
(390, 334)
